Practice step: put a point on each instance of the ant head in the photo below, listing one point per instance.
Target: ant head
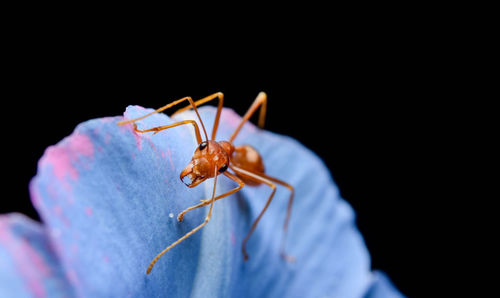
(209, 159)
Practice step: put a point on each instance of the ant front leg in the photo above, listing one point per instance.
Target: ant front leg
(207, 219)
(180, 217)
(156, 129)
(160, 128)
(260, 101)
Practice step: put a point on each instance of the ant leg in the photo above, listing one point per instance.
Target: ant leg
(160, 128)
(166, 107)
(287, 218)
(260, 101)
(207, 219)
(199, 102)
(261, 179)
(206, 202)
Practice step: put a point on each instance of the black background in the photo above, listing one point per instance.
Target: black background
(368, 111)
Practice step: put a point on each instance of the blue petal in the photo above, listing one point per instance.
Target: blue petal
(28, 265)
(332, 259)
(106, 193)
(382, 287)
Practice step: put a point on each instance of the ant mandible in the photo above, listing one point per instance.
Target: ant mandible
(213, 158)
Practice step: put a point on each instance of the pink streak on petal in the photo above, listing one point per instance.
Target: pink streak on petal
(138, 140)
(29, 263)
(81, 143)
(65, 220)
(74, 249)
(62, 157)
(57, 210)
(88, 211)
(231, 118)
(107, 138)
(140, 108)
(72, 277)
(33, 255)
(233, 238)
(108, 119)
(137, 137)
(34, 195)
(169, 153)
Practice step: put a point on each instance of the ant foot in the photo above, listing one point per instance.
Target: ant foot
(245, 256)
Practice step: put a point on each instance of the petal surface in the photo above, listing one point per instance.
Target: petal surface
(382, 287)
(28, 264)
(331, 257)
(106, 195)
(109, 198)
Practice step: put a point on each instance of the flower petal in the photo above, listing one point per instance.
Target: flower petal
(28, 265)
(382, 287)
(332, 260)
(105, 194)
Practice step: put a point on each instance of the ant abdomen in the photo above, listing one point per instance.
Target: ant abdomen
(247, 158)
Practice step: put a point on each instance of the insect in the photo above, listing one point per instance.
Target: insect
(213, 158)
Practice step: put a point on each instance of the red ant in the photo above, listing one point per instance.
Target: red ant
(213, 158)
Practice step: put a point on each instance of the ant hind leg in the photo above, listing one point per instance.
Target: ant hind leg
(260, 101)
(199, 102)
(270, 181)
(207, 219)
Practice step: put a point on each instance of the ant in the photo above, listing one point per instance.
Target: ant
(213, 158)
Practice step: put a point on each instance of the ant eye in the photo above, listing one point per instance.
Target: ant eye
(203, 145)
(223, 168)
